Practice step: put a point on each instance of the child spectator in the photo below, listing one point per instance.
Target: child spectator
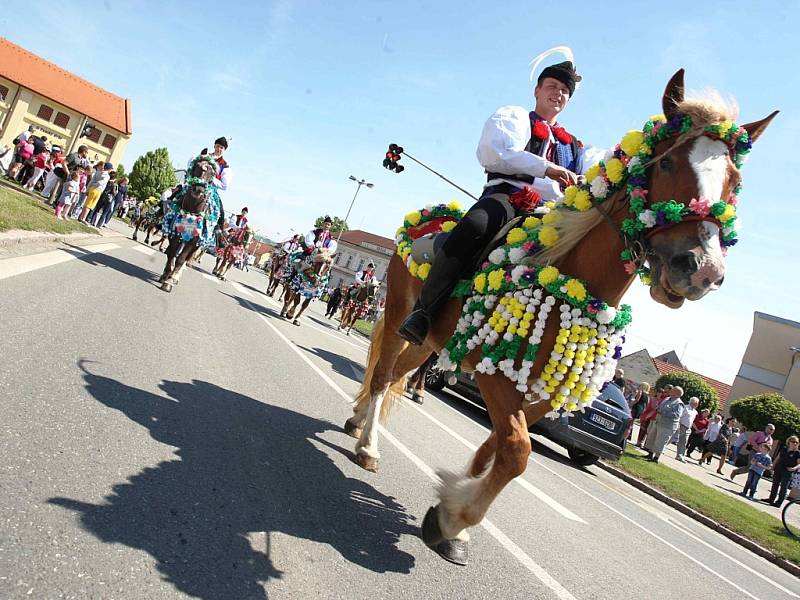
(22, 154)
(759, 462)
(41, 162)
(83, 183)
(69, 196)
(97, 184)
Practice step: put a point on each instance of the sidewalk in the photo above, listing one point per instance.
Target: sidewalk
(707, 475)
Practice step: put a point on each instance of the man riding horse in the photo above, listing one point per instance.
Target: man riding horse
(279, 268)
(196, 210)
(520, 151)
(358, 298)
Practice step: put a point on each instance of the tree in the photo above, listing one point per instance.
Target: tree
(121, 174)
(755, 412)
(152, 174)
(692, 386)
(337, 226)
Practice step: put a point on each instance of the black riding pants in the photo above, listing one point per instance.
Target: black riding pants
(478, 228)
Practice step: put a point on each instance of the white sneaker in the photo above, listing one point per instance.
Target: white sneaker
(680, 459)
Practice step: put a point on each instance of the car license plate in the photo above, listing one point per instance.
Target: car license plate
(602, 421)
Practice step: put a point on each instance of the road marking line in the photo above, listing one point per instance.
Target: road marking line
(655, 513)
(11, 267)
(144, 250)
(211, 277)
(241, 289)
(548, 500)
(515, 550)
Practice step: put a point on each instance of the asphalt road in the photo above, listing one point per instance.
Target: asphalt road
(189, 445)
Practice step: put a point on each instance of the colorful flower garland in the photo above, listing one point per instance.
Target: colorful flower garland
(431, 219)
(626, 165)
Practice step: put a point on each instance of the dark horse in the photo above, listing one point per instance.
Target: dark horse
(356, 306)
(193, 203)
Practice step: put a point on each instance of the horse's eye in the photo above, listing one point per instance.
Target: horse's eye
(666, 163)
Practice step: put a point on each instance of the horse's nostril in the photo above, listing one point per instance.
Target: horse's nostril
(686, 262)
(719, 281)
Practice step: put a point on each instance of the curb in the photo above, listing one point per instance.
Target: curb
(701, 518)
(33, 238)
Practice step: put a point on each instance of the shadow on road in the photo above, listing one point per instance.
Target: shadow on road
(112, 262)
(341, 364)
(244, 469)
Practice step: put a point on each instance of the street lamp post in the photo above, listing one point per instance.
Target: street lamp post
(360, 182)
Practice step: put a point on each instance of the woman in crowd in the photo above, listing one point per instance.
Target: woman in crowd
(786, 466)
(649, 413)
(699, 427)
(665, 425)
(719, 446)
(638, 402)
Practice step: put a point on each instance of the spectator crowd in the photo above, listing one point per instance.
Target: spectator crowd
(71, 184)
(665, 417)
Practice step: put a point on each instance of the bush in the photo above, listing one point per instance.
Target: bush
(152, 174)
(755, 412)
(692, 386)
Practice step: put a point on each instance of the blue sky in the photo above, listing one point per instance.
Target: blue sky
(313, 92)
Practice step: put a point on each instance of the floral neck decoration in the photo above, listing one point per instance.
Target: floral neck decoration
(192, 180)
(431, 219)
(626, 166)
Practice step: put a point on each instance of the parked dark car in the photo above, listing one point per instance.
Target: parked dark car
(599, 432)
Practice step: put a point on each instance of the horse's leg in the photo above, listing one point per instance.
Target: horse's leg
(397, 359)
(286, 301)
(465, 497)
(303, 307)
(136, 230)
(172, 251)
(184, 258)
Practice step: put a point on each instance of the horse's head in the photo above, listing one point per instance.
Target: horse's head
(697, 169)
(371, 289)
(195, 198)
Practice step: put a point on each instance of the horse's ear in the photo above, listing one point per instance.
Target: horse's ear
(756, 128)
(673, 95)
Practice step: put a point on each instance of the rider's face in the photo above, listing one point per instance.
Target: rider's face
(551, 96)
(218, 150)
(326, 225)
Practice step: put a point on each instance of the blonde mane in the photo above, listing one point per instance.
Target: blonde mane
(705, 108)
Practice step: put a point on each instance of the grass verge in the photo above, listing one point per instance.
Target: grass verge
(363, 327)
(20, 210)
(756, 525)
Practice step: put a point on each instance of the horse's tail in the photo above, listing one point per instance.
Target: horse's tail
(364, 395)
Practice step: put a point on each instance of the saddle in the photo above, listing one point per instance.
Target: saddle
(425, 247)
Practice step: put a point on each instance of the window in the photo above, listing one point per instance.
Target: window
(360, 265)
(94, 135)
(109, 141)
(61, 120)
(338, 256)
(349, 260)
(4, 93)
(45, 112)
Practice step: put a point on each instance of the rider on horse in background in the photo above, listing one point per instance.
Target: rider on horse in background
(320, 238)
(528, 158)
(367, 275)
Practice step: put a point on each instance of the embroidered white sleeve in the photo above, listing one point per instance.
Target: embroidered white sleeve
(501, 148)
(225, 179)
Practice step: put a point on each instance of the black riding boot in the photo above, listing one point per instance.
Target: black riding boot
(443, 277)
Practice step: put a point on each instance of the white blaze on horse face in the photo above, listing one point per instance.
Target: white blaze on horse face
(709, 160)
(711, 264)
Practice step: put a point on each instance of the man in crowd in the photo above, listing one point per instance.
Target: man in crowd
(685, 425)
(334, 301)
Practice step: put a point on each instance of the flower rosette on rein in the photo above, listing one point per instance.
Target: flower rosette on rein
(431, 219)
(626, 165)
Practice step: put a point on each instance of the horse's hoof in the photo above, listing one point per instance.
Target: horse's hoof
(370, 463)
(417, 398)
(296, 322)
(347, 332)
(454, 551)
(166, 286)
(352, 430)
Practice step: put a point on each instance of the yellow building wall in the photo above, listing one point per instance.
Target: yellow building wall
(19, 110)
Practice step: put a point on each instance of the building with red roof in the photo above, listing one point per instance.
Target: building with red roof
(59, 105)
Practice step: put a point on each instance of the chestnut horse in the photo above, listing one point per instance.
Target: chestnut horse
(682, 167)
(238, 239)
(277, 265)
(356, 306)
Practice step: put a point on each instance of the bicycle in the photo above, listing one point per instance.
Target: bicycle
(790, 515)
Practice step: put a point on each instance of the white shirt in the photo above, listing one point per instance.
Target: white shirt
(712, 432)
(360, 277)
(688, 415)
(501, 149)
(330, 244)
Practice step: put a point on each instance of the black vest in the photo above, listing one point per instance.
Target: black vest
(534, 146)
